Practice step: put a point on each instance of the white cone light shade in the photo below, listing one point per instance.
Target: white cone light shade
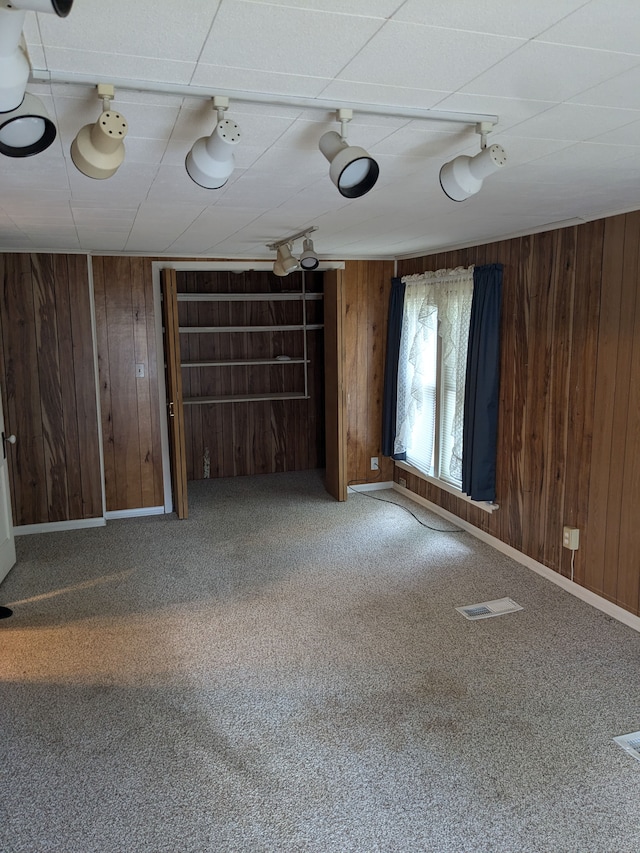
(463, 177)
(211, 162)
(308, 259)
(14, 65)
(25, 127)
(26, 130)
(98, 149)
(352, 170)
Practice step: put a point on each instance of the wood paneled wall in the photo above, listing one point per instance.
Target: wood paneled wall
(256, 437)
(569, 428)
(49, 388)
(368, 284)
(125, 328)
(569, 422)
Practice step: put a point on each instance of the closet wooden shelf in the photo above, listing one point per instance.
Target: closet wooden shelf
(244, 398)
(248, 348)
(242, 362)
(215, 330)
(293, 296)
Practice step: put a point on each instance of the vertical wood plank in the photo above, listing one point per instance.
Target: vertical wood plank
(335, 397)
(608, 337)
(104, 379)
(23, 412)
(50, 387)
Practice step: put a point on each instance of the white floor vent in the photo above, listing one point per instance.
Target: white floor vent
(498, 607)
(630, 743)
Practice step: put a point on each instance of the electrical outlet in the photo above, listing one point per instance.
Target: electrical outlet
(374, 463)
(402, 482)
(570, 538)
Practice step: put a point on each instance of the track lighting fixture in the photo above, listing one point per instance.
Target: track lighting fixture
(98, 149)
(463, 176)
(308, 259)
(285, 261)
(25, 127)
(210, 161)
(352, 170)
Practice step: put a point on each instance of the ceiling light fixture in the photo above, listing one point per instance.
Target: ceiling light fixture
(285, 261)
(308, 259)
(98, 149)
(210, 161)
(463, 176)
(25, 127)
(352, 170)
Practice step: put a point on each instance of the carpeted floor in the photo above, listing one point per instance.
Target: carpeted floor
(284, 673)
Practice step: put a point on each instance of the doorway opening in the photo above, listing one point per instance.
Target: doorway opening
(248, 374)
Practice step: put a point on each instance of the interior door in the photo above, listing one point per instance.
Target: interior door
(7, 543)
(335, 394)
(174, 393)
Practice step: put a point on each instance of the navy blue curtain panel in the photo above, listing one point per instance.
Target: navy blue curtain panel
(390, 394)
(480, 431)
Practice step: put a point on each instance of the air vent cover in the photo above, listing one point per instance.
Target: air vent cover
(630, 743)
(497, 607)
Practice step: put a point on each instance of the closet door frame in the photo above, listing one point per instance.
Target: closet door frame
(199, 266)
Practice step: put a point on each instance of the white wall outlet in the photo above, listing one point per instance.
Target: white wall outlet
(402, 482)
(570, 538)
(374, 463)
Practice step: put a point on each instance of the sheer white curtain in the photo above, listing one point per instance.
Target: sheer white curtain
(436, 305)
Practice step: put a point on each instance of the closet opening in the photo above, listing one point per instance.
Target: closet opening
(247, 375)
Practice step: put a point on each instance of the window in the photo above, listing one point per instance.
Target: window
(431, 372)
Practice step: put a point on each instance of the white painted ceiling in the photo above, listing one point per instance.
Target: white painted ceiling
(563, 76)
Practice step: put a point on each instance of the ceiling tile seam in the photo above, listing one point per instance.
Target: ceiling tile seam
(600, 82)
(191, 224)
(559, 20)
(336, 76)
(204, 42)
(318, 11)
(485, 70)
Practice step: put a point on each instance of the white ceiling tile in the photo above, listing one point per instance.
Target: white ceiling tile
(140, 150)
(510, 111)
(621, 91)
(366, 8)
(504, 17)
(549, 72)
(575, 81)
(227, 79)
(364, 92)
(601, 24)
(109, 65)
(310, 43)
(133, 29)
(575, 121)
(581, 157)
(102, 240)
(412, 56)
(627, 135)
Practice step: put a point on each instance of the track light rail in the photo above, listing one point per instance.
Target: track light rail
(239, 95)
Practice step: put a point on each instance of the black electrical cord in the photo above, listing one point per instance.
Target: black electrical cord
(400, 506)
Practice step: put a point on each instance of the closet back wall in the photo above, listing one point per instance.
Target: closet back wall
(226, 439)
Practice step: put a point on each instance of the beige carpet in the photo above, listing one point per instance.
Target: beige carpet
(284, 673)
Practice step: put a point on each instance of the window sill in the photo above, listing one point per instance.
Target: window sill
(483, 505)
